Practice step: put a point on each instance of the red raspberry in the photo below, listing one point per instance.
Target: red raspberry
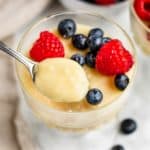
(142, 8)
(47, 46)
(105, 2)
(113, 58)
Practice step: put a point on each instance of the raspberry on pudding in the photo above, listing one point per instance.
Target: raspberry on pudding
(140, 23)
(47, 46)
(84, 73)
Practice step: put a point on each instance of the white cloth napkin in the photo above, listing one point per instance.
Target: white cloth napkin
(17, 13)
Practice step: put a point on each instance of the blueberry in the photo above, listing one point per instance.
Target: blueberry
(67, 28)
(78, 58)
(94, 43)
(128, 126)
(118, 147)
(94, 96)
(90, 59)
(121, 81)
(97, 32)
(105, 40)
(79, 41)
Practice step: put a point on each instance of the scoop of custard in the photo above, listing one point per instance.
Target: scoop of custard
(62, 80)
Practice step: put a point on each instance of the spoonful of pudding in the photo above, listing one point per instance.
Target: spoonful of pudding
(60, 79)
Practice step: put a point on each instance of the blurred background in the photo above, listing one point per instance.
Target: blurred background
(16, 16)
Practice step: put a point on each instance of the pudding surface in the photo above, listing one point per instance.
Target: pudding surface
(95, 79)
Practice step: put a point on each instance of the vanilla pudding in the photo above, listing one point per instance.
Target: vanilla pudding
(68, 109)
(95, 79)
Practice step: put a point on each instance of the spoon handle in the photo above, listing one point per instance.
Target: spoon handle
(17, 55)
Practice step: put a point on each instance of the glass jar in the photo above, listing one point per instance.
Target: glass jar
(52, 114)
(140, 29)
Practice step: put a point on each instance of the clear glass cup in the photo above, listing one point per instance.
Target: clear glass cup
(140, 29)
(41, 107)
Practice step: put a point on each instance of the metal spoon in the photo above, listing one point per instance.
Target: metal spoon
(31, 65)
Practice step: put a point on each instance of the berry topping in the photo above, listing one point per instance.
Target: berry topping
(47, 46)
(67, 28)
(118, 147)
(96, 32)
(128, 126)
(94, 43)
(78, 58)
(94, 96)
(105, 2)
(90, 59)
(142, 8)
(121, 81)
(113, 58)
(95, 39)
(79, 41)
